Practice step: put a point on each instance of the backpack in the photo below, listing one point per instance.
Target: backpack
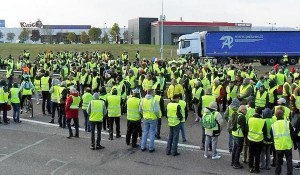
(232, 122)
(209, 120)
(27, 85)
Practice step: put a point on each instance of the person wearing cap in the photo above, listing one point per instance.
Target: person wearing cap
(238, 136)
(71, 110)
(103, 96)
(286, 112)
(96, 110)
(283, 136)
(26, 90)
(267, 143)
(86, 98)
(133, 118)
(113, 103)
(63, 93)
(257, 132)
(175, 117)
(55, 99)
(149, 108)
(45, 86)
(211, 135)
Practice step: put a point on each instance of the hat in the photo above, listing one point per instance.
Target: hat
(267, 113)
(235, 103)
(213, 105)
(281, 101)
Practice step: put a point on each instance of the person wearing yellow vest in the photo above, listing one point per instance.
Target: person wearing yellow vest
(45, 86)
(282, 104)
(174, 88)
(114, 102)
(175, 117)
(272, 92)
(238, 134)
(257, 131)
(95, 82)
(147, 83)
(14, 95)
(159, 99)
(231, 92)
(280, 77)
(3, 101)
(37, 86)
(287, 90)
(55, 98)
(261, 98)
(133, 118)
(9, 76)
(63, 91)
(245, 91)
(184, 112)
(149, 108)
(161, 85)
(71, 109)
(297, 138)
(284, 138)
(96, 110)
(103, 96)
(219, 92)
(86, 98)
(26, 90)
(197, 93)
(212, 134)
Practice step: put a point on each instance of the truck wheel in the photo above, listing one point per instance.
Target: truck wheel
(263, 62)
(280, 61)
(223, 61)
(293, 61)
(271, 61)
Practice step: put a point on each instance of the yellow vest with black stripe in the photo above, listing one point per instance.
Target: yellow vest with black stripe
(14, 95)
(147, 106)
(75, 102)
(238, 132)
(261, 99)
(231, 93)
(55, 94)
(271, 94)
(171, 113)
(96, 114)
(133, 109)
(114, 105)
(281, 134)
(182, 105)
(45, 83)
(86, 99)
(255, 132)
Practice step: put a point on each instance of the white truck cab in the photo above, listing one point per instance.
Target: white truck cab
(191, 44)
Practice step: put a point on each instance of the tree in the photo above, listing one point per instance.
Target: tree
(10, 36)
(105, 38)
(115, 31)
(84, 38)
(24, 35)
(71, 37)
(1, 35)
(35, 35)
(47, 32)
(125, 35)
(60, 37)
(94, 34)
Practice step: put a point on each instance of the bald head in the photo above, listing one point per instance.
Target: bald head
(243, 109)
(279, 114)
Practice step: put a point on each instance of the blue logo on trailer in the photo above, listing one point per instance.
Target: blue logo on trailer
(2, 23)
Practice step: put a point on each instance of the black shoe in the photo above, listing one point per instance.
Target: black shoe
(6, 123)
(176, 154)
(110, 138)
(238, 167)
(143, 149)
(257, 171)
(92, 147)
(69, 137)
(273, 165)
(44, 113)
(151, 151)
(77, 136)
(245, 162)
(19, 121)
(251, 170)
(135, 146)
(168, 153)
(184, 140)
(158, 137)
(51, 121)
(118, 136)
(99, 147)
(0, 122)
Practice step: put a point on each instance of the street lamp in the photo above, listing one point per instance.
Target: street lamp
(272, 24)
(124, 35)
(162, 31)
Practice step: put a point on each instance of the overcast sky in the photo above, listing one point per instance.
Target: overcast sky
(285, 13)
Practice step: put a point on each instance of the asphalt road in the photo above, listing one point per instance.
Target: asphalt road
(36, 147)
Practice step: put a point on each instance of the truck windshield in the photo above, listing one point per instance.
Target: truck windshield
(183, 44)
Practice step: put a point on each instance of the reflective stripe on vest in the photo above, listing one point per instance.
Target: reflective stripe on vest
(133, 109)
(171, 113)
(45, 83)
(86, 99)
(148, 109)
(260, 100)
(182, 105)
(114, 105)
(75, 102)
(271, 94)
(14, 95)
(216, 91)
(281, 134)
(96, 110)
(255, 132)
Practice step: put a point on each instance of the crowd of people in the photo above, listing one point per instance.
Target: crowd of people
(261, 113)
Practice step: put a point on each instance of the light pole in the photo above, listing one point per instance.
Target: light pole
(272, 24)
(124, 35)
(162, 31)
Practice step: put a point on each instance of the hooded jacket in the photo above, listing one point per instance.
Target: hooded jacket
(71, 113)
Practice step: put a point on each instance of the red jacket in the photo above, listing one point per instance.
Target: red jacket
(71, 113)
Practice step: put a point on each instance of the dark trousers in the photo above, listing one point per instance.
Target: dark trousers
(54, 107)
(279, 161)
(23, 99)
(132, 132)
(111, 126)
(95, 125)
(4, 111)
(158, 127)
(105, 122)
(62, 116)
(254, 153)
(203, 137)
(76, 126)
(173, 139)
(238, 143)
(46, 101)
(87, 125)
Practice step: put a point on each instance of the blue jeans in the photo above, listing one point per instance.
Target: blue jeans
(230, 142)
(87, 125)
(16, 111)
(173, 139)
(182, 130)
(148, 128)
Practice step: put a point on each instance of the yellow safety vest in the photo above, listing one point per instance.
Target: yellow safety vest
(86, 99)
(238, 132)
(297, 101)
(286, 112)
(216, 91)
(147, 106)
(231, 94)
(14, 95)
(269, 122)
(96, 114)
(114, 105)
(255, 132)
(250, 113)
(133, 109)
(37, 85)
(261, 100)
(206, 100)
(243, 89)
(271, 94)
(171, 113)
(147, 84)
(75, 102)
(284, 93)
(55, 94)
(279, 79)
(197, 93)
(281, 134)
(94, 82)
(182, 105)
(157, 99)
(45, 83)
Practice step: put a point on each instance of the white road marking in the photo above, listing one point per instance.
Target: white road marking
(64, 163)
(29, 146)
